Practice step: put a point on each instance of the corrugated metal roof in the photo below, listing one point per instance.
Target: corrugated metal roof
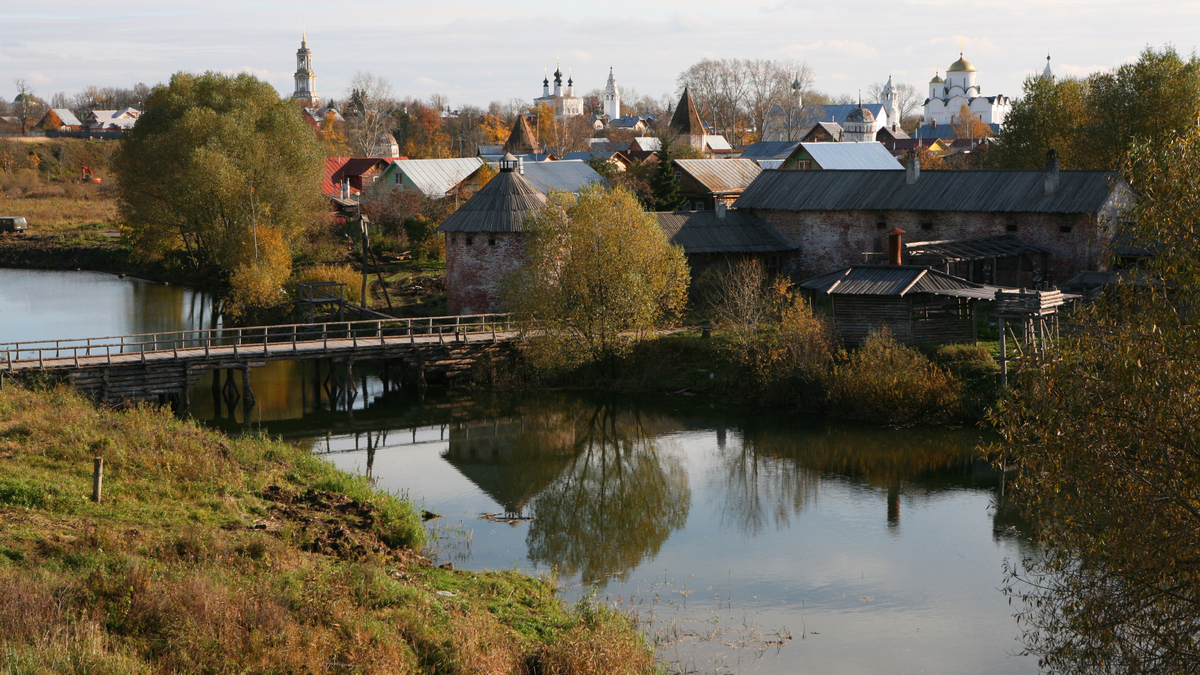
(437, 177)
(737, 232)
(650, 143)
(68, 118)
(767, 150)
(721, 175)
(990, 191)
(870, 156)
(895, 281)
(567, 175)
(717, 142)
(499, 206)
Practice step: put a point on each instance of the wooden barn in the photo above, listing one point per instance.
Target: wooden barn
(916, 305)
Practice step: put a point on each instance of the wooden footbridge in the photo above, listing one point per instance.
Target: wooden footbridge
(165, 366)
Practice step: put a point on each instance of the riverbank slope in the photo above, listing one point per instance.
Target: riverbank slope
(215, 554)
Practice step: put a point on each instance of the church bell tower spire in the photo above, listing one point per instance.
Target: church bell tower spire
(306, 79)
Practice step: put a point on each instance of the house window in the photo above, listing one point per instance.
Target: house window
(926, 226)
(698, 206)
(1065, 229)
(881, 225)
(678, 175)
(397, 179)
(1012, 227)
(491, 241)
(468, 241)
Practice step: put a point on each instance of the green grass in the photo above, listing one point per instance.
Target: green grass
(216, 554)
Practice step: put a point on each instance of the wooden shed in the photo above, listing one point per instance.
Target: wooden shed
(916, 305)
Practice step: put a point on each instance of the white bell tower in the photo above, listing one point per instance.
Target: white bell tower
(612, 97)
(306, 79)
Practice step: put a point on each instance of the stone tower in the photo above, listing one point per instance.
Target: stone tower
(888, 96)
(612, 97)
(306, 79)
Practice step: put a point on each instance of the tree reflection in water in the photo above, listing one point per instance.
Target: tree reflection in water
(614, 505)
(771, 473)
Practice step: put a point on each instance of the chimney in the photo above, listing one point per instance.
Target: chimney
(720, 209)
(895, 246)
(1051, 183)
(913, 170)
(521, 166)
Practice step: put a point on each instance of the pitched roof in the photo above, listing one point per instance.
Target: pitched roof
(985, 191)
(338, 169)
(437, 177)
(521, 139)
(976, 248)
(721, 176)
(333, 167)
(686, 119)
(769, 150)
(737, 232)
(896, 281)
(945, 131)
(499, 206)
(843, 156)
(567, 175)
(67, 117)
(717, 143)
(646, 143)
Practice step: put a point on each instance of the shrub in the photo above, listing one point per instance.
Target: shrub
(887, 381)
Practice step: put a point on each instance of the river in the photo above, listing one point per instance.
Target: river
(744, 541)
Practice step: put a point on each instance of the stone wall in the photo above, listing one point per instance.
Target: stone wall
(476, 265)
(830, 240)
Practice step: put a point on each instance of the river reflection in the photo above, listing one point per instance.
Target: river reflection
(874, 550)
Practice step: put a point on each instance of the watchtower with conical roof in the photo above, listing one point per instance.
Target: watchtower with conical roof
(485, 239)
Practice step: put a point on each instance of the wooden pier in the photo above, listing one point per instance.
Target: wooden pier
(163, 367)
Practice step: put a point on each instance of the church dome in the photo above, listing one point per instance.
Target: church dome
(961, 66)
(860, 114)
(937, 79)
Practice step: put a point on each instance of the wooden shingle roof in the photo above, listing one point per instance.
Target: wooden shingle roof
(896, 281)
(499, 206)
(737, 232)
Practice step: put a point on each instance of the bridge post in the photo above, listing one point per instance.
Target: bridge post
(216, 392)
(247, 393)
(316, 382)
(185, 401)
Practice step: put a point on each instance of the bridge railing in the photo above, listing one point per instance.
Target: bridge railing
(250, 340)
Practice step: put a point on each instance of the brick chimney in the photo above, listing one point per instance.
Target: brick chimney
(1051, 183)
(913, 170)
(895, 246)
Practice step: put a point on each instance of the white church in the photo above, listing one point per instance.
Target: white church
(948, 96)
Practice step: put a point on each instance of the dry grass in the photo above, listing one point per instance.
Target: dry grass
(217, 555)
(58, 212)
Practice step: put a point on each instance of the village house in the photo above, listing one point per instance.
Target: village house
(59, 119)
(435, 178)
(837, 218)
(345, 178)
(705, 183)
(714, 239)
(112, 120)
(821, 156)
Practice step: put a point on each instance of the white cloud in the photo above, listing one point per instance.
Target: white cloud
(690, 22)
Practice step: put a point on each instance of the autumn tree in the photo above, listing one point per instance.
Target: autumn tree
(222, 172)
(968, 125)
(599, 274)
(368, 114)
(1050, 114)
(1104, 433)
(26, 107)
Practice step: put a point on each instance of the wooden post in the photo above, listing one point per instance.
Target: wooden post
(97, 478)
(316, 384)
(247, 393)
(1003, 354)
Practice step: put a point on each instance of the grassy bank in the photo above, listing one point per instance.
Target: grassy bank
(210, 554)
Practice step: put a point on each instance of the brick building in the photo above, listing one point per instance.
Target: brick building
(484, 241)
(839, 218)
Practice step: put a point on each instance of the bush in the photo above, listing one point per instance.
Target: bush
(886, 381)
(424, 239)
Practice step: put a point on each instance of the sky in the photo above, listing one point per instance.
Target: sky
(476, 52)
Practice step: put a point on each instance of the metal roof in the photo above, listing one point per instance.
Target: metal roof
(717, 142)
(67, 117)
(721, 176)
(568, 175)
(986, 191)
(896, 281)
(846, 156)
(499, 206)
(978, 248)
(737, 232)
(437, 177)
(769, 150)
(585, 155)
(651, 143)
(839, 112)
